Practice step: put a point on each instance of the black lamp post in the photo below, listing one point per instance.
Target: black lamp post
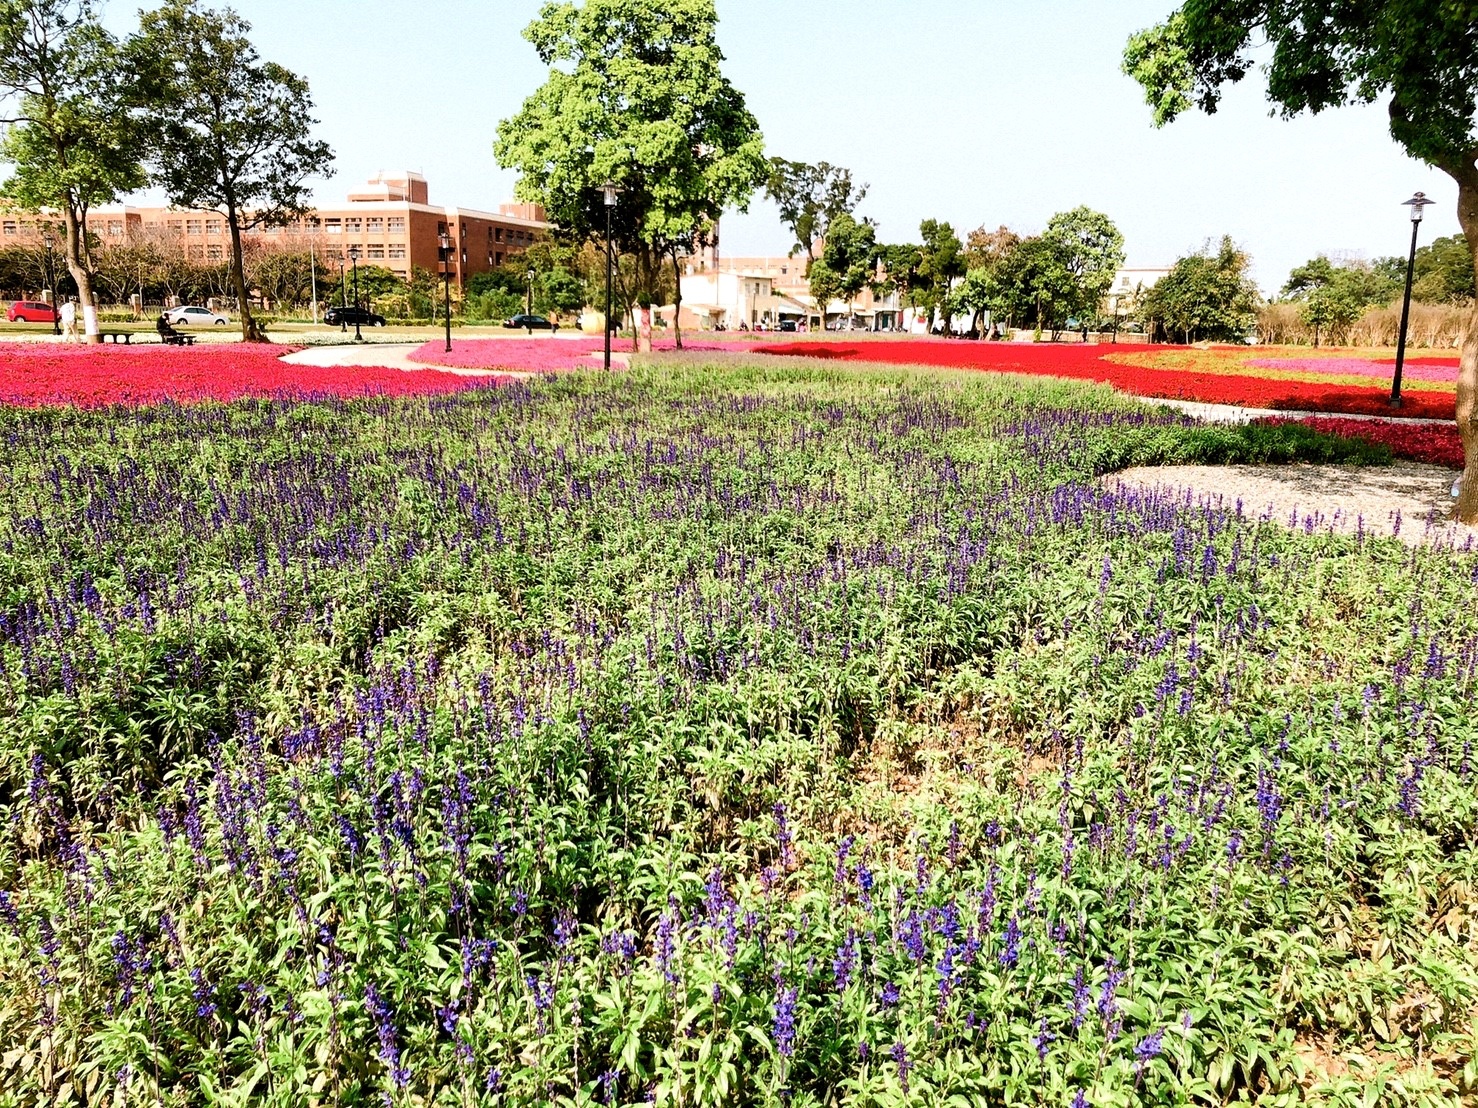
(610, 190)
(529, 299)
(48, 240)
(343, 297)
(354, 260)
(1416, 203)
(444, 244)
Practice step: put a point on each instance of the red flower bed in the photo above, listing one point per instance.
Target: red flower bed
(94, 376)
(1436, 443)
(1086, 363)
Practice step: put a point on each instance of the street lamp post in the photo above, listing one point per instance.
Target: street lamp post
(444, 243)
(354, 260)
(48, 240)
(610, 190)
(1416, 203)
(343, 298)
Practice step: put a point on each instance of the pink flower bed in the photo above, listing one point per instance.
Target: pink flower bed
(1425, 369)
(534, 355)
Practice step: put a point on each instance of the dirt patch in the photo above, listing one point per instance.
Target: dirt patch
(1411, 501)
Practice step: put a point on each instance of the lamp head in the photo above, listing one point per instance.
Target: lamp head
(1416, 204)
(611, 191)
(354, 253)
(444, 240)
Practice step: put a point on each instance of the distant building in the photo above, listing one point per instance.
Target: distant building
(391, 220)
(764, 291)
(1128, 286)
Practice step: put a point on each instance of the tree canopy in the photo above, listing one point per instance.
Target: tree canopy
(811, 198)
(67, 132)
(635, 94)
(236, 133)
(1206, 296)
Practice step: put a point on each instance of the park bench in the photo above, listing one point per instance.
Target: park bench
(114, 336)
(170, 337)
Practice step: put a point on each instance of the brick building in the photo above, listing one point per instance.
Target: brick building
(391, 219)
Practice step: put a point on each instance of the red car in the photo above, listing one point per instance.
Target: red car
(31, 311)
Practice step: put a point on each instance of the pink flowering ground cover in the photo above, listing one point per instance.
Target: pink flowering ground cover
(533, 355)
(1424, 369)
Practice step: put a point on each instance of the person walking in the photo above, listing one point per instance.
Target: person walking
(69, 320)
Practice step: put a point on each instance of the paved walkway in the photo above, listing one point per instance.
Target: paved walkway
(386, 355)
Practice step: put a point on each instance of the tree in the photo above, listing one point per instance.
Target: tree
(1090, 249)
(1442, 272)
(1031, 282)
(850, 254)
(1206, 296)
(811, 198)
(941, 262)
(71, 141)
(984, 252)
(1420, 57)
(635, 94)
(234, 135)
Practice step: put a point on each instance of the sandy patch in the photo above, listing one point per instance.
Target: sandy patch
(1410, 500)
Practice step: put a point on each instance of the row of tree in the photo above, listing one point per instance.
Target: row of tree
(184, 103)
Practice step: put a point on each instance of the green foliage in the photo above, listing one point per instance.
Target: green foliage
(1205, 296)
(635, 95)
(811, 198)
(229, 131)
(1089, 249)
(67, 133)
(732, 734)
(1442, 272)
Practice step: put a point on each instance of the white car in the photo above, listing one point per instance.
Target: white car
(193, 315)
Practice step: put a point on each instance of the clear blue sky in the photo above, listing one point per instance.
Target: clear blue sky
(974, 111)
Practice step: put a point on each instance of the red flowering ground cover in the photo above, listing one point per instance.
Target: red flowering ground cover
(1226, 378)
(94, 376)
(1437, 443)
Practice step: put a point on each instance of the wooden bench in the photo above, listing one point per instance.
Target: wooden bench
(172, 337)
(114, 336)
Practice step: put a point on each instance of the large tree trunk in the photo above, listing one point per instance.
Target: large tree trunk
(250, 332)
(86, 298)
(1467, 374)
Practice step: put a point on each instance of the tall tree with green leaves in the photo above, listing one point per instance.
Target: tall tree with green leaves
(635, 94)
(1090, 249)
(811, 198)
(67, 134)
(941, 262)
(1418, 56)
(229, 132)
(1205, 296)
(850, 254)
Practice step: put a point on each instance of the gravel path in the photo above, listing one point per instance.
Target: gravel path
(1409, 500)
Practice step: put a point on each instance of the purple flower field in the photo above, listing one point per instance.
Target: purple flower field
(719, 734)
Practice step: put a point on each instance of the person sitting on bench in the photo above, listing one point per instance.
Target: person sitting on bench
(167, 333)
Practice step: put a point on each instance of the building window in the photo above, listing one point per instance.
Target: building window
(194, 227)
(375, 225)
(176, 227)
(332, 227)
(353, 225)
(197, 252)
(115, 227)
(396, 225)
(212, 226)
(213, 252)
(10, 227)
(498, 235)
(397, 250)
(500, 259)
(376, 250)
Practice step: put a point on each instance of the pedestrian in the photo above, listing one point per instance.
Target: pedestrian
(69, 320)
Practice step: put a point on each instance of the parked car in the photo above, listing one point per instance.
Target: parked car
(193, 314)
(785, 325)
(31, 311)
(530, 323)
(352, 317)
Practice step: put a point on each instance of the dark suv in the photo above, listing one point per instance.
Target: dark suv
(352, 317)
